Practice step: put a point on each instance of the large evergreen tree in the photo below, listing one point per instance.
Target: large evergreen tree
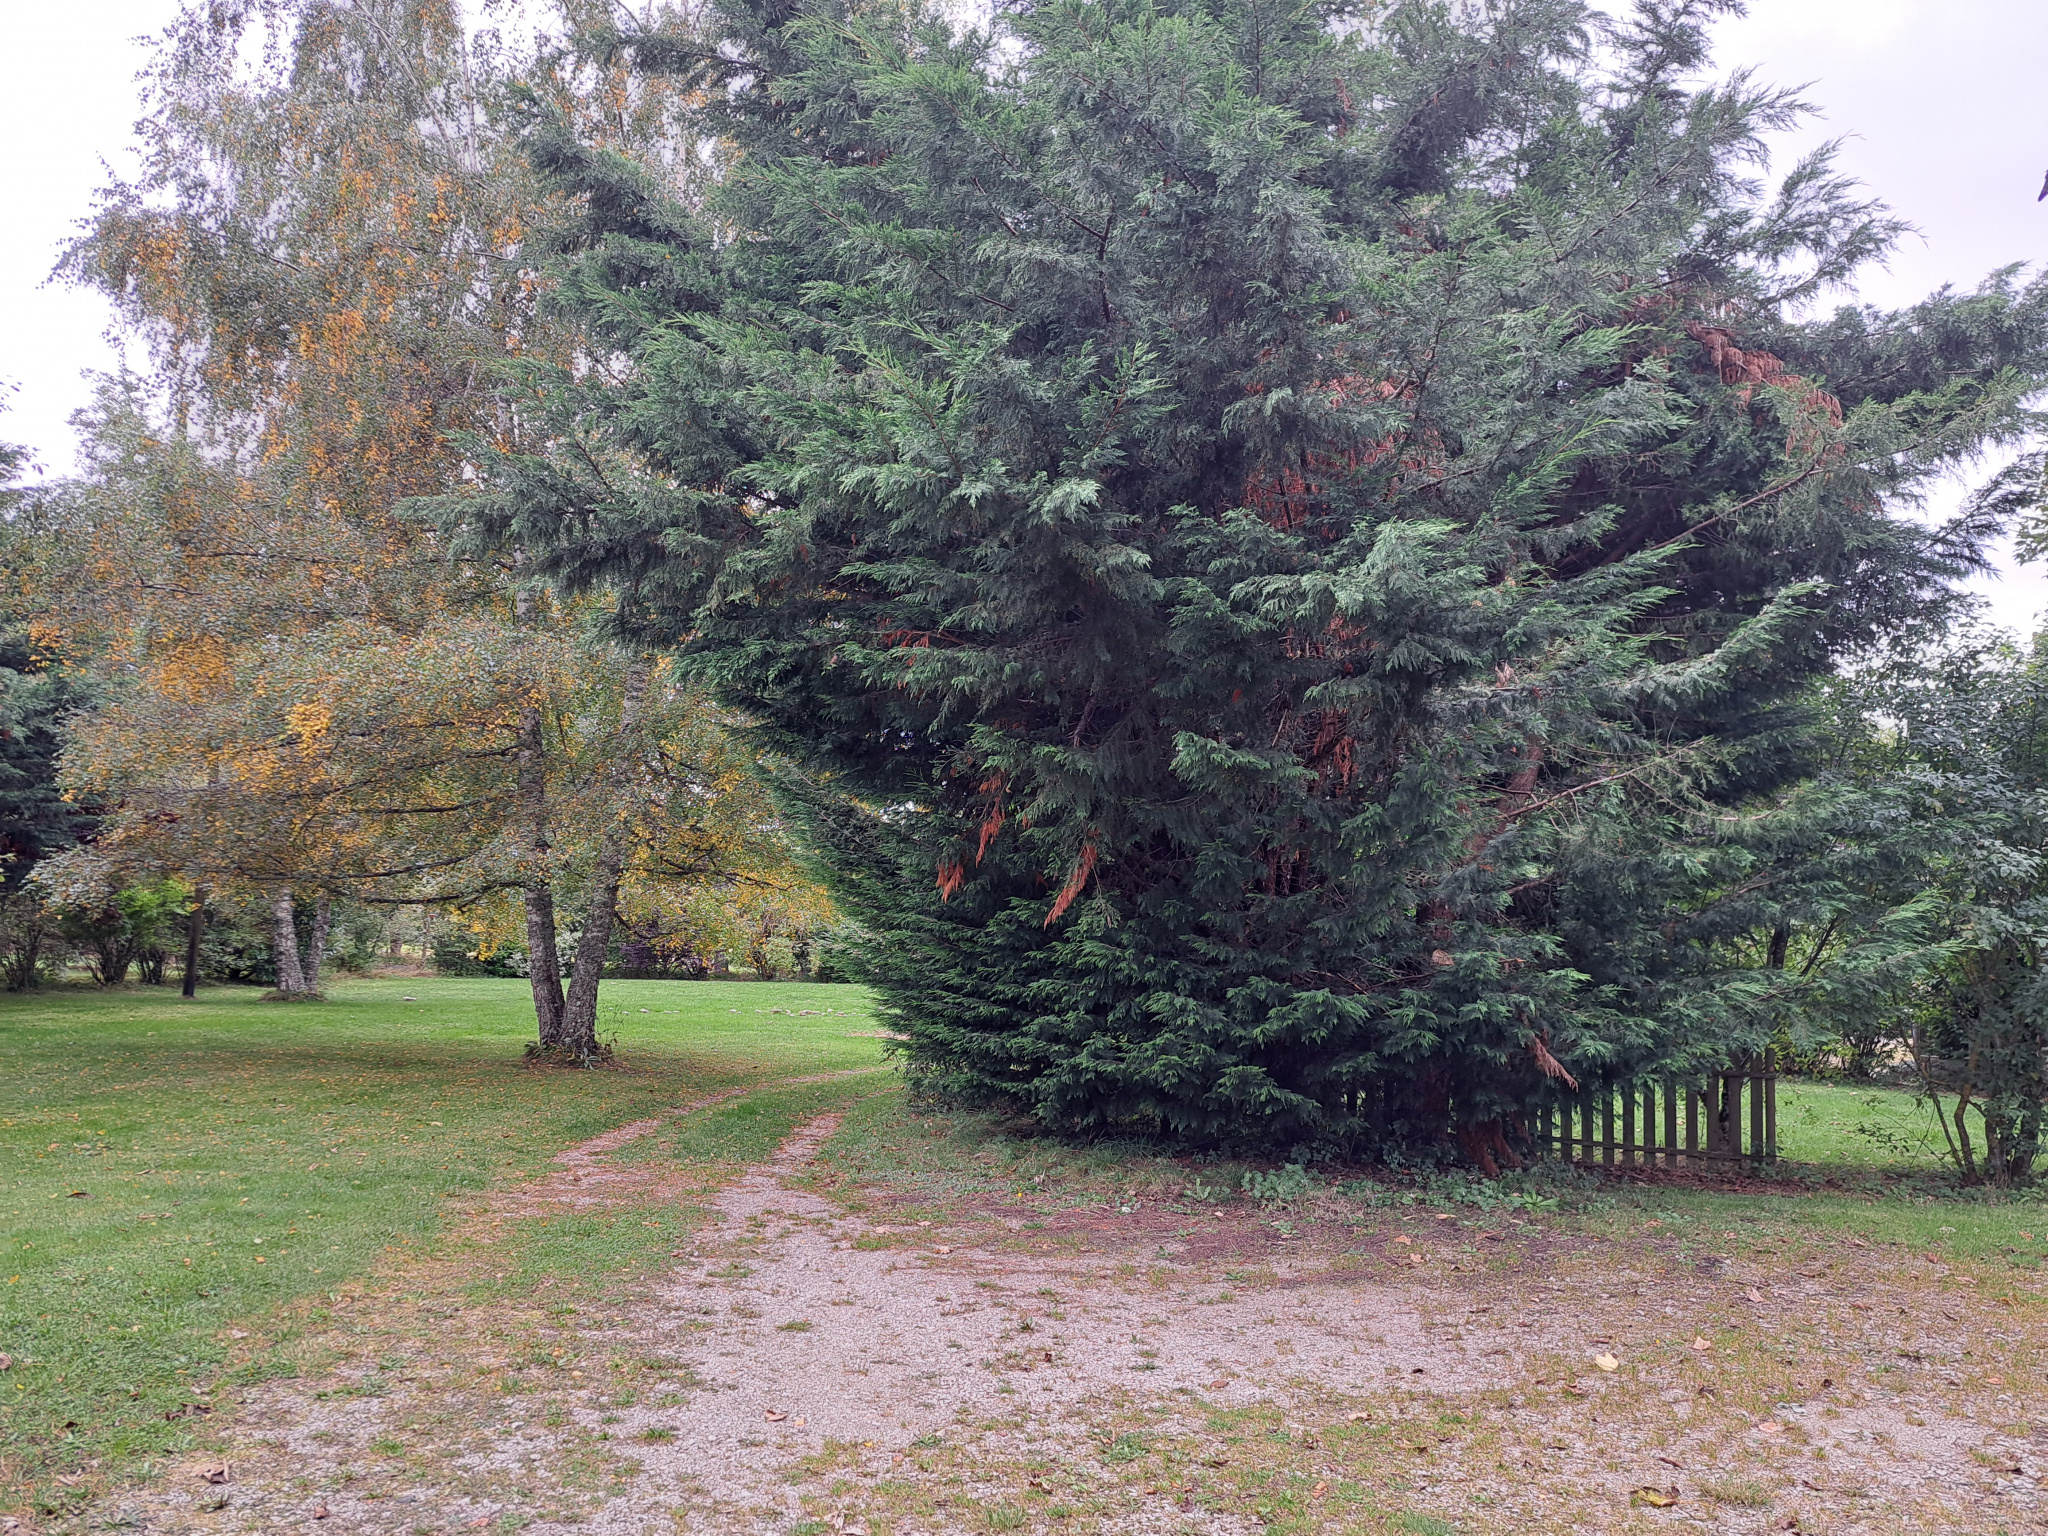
(1263, 528)
(37, 818)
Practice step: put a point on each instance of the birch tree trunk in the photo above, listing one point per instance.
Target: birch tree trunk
(544, 964)
(579, 1013)
(284, 942)
(317, 948)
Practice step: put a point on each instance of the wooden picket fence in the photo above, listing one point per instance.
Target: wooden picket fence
(1670, 1124)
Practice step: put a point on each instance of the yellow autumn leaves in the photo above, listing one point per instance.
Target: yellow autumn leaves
(301, 684)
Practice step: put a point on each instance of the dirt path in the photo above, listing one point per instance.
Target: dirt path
(805, 1370)
(588, 1181)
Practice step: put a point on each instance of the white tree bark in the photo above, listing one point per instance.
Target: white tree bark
(284, 943)
(579, 1014)
(316, 950)
(544, 964)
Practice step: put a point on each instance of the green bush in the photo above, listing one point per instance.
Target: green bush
(128, 926)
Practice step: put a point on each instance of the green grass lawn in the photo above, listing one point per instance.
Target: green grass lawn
(1858, 1126)
(170, 1169)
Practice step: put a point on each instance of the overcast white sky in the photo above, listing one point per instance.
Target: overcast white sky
(1940, 100)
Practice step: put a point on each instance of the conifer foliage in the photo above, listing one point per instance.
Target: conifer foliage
(1261, 526)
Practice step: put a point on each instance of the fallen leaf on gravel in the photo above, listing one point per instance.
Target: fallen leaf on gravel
(1607, 1362)
(1319, 1490)
(677, 1253)
(1357, 1418)
(217, 1474)
(1656, 1498)
(320, 1513)
(1670, 1463)
(1754, 1294)
(1770, 1427)
(479, 1522)
(6, 1362)
(1857, 1242)
(800, 1423)
(1404, 1238)
(774, 1415)
(940, 1248)
(1994, 1381)
(1219, 1382)
(1701, 1344)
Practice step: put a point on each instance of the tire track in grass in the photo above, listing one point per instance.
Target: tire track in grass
(585, 1180)
(410, 1343)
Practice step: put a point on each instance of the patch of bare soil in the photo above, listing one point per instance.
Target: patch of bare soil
(1017, 1365)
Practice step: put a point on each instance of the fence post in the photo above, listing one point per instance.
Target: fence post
(1607, 1125)
(1756, 1111)
(1771, 1104)
(1670, 1123)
